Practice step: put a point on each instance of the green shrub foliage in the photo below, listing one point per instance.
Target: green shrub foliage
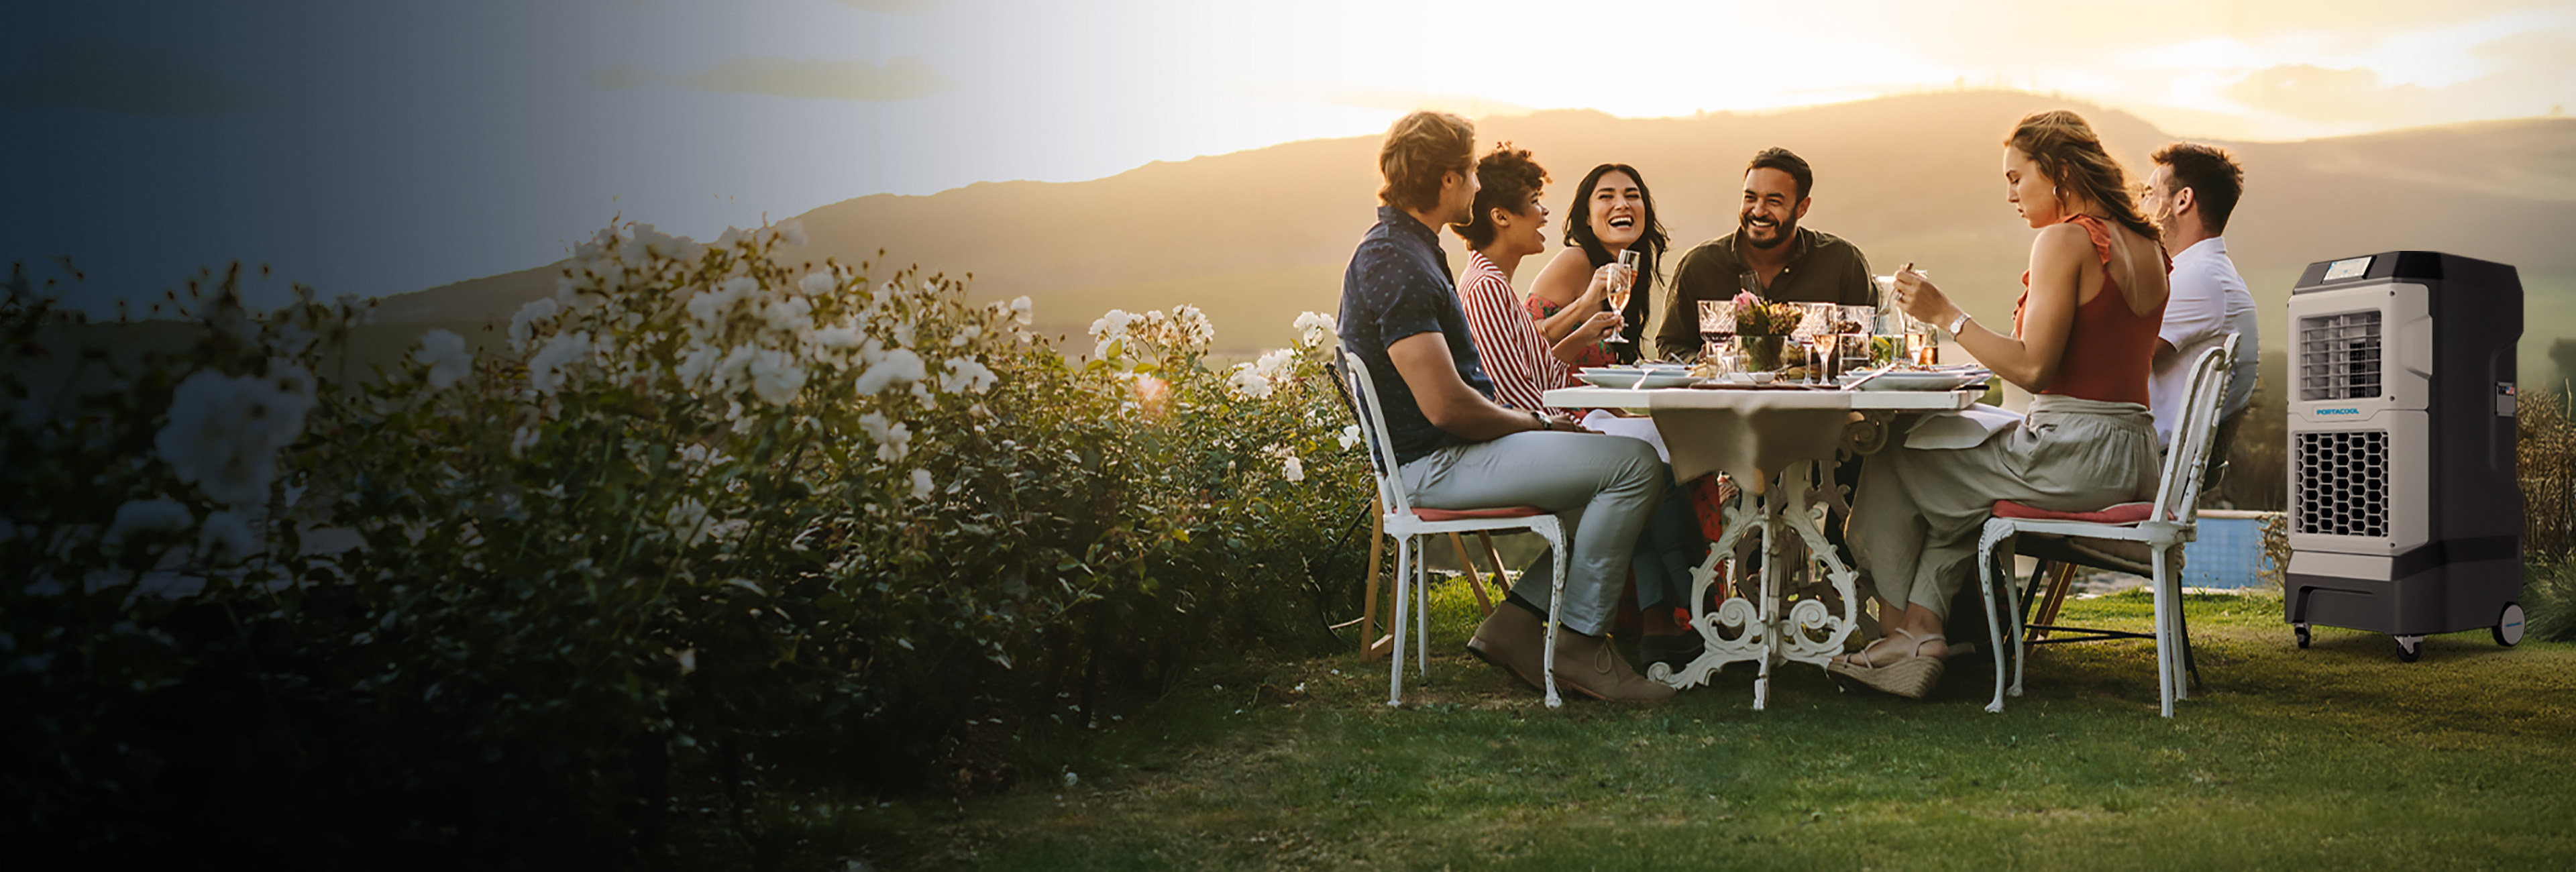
(714, 529)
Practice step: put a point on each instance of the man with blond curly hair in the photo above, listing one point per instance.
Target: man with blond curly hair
(1457, 448)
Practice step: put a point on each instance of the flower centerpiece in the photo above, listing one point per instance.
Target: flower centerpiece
(1762, 329)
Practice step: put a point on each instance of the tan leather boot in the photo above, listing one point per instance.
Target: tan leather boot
(1510, 638)
(1592, 666)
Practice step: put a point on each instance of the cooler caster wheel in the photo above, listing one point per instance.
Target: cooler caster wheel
(2508, 628)
(2410, 648)
(2302, 631)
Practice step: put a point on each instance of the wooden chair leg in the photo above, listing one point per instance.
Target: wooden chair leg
(1475, 580)
(1371, 645)
(1502, 580)
(2059, 578)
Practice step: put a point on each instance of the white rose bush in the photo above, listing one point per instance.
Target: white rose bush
(702, 523)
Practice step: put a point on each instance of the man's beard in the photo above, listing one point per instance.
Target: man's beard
(1744, 231)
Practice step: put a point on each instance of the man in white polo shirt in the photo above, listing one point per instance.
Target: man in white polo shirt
(2189, 195)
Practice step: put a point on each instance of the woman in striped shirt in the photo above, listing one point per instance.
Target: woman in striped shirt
(1511, 224)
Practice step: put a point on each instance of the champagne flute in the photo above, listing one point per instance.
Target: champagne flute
(1922, 346)
(1621, 280)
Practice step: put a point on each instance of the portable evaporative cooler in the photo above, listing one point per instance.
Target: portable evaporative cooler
(2404, 517)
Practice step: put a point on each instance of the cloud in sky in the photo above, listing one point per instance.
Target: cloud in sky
(109, 76)
(897, 80)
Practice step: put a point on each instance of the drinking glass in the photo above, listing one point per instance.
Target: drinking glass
(1721, 357)
(1852, 328)
(1621, 280)
(1716, 325)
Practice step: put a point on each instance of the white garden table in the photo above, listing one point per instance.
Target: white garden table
(1766, 437)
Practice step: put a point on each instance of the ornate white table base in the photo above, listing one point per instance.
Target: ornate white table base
(1764, 631)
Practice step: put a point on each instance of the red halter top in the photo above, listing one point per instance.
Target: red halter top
(2109, 348)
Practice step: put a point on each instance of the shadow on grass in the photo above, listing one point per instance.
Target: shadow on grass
(2335, 757)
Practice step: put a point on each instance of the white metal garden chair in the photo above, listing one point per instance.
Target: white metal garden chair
(2163, 525)
(2058, 557)
(1410, 524)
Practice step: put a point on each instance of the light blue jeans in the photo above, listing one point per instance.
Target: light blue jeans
(1602, 488)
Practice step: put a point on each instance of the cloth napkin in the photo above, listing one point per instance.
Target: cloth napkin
(1966, 428)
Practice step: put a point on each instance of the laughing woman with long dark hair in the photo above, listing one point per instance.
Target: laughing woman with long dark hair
(1613, 212)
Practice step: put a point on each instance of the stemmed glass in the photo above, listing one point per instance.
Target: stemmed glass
(1815, 331)
(1717, 335)
(1621, 280)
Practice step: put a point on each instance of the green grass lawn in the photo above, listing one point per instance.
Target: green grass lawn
(2335, 757)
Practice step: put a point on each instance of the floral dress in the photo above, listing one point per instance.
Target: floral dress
(1541, 309)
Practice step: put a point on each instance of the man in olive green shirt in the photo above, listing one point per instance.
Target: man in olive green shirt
(1768, 254)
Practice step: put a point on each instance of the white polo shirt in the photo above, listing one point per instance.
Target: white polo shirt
(2209, 301)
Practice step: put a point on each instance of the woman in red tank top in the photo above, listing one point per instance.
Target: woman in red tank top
(2082, 340)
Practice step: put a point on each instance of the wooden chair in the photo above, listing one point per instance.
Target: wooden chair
(2162, 526)
(1477, 581)
(1409, 524)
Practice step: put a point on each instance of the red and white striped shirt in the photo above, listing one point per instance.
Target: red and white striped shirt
(1516, 357)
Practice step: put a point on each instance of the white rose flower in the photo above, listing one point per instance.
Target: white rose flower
(965, 335)
(1350, 436)
(898, 442)
(226, 539)
(836, 339)
(922, 486)
(791, 315)
(1113, 324)
(966, 376)
(548, 370)
(735, 367)
(1193, 325)
(1313, 328)
(1248, 382)
(523, 325)
(776, 377)
(523, 440)
(225, 432)
(696, 362)
(1021, 310)
(899, 366)
(817, 283)
(444, 353)
(688, 521)
(1289, 466)
(1275, 364)
(139, 517)
(793, 233)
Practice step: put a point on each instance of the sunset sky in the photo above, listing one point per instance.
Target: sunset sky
(392, 149)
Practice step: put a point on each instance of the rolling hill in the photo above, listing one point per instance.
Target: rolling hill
(1256, 236)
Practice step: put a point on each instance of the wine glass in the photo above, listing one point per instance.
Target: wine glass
(1621, 280)
(1716, 326)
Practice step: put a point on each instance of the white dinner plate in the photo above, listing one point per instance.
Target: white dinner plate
(1923, 381)
(1609, 377)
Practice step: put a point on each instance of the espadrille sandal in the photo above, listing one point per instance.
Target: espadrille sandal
(1912, 676)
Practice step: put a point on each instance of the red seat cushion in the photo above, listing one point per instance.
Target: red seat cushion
(1478, 514)
(2124, 513)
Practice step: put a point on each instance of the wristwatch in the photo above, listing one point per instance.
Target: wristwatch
(1541, 419)
(1956, 323)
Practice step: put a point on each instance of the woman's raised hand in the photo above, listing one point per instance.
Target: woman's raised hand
(1599, 289)
(1922, 299)
(1601, 325)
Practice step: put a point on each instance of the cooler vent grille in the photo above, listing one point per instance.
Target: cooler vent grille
(2339, 357)
(2343, 483)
